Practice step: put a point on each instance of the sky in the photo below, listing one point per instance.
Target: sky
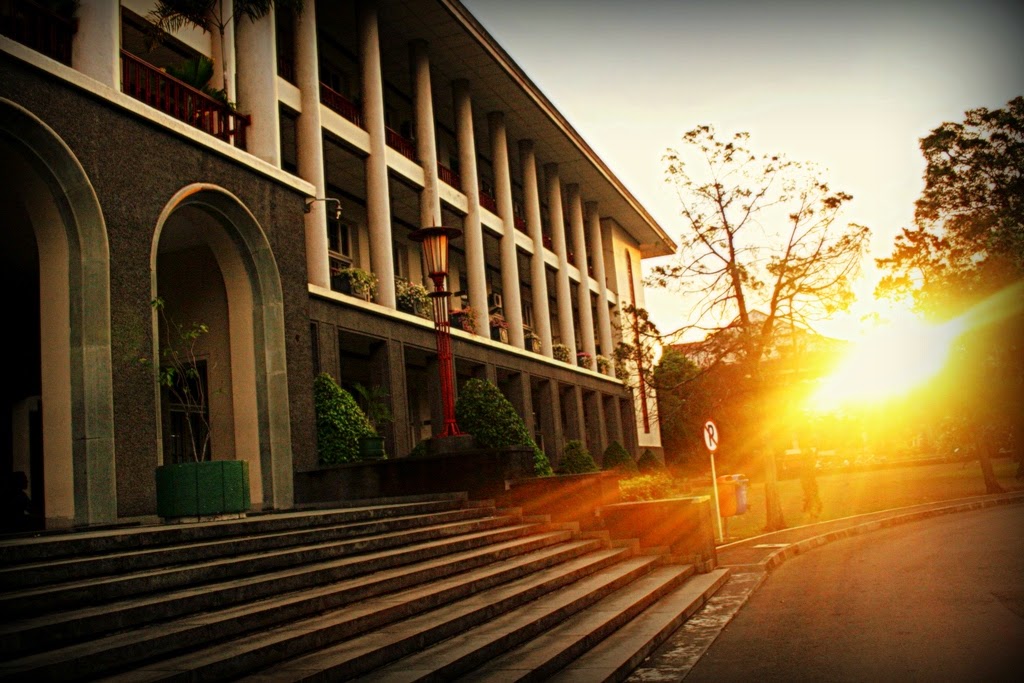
(850, 86)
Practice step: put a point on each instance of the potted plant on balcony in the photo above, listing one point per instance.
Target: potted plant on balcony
(411, 297)
(169, 16)
(561, 352)
(499, 327)
(604, 364)
(198, 487)
(356, 282)
(463, 318)
(532, 339)
(584, 360)
(377, 408)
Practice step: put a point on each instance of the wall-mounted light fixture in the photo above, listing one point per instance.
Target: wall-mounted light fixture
(336, 214)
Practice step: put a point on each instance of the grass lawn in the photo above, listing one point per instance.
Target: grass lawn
(852, 493)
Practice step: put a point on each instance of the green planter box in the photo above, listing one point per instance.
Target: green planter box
(371, 448)
(202, 489)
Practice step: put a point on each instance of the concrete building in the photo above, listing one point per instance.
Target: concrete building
(123, 184)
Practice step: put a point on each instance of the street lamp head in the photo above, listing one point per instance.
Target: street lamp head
(435, 248)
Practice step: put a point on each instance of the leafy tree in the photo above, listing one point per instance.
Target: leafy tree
(208, 15)
(339, 422)
(762, 234)
(965, 257)
(484, 412)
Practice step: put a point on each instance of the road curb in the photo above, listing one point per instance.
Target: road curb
(681, 652)
(781, 555)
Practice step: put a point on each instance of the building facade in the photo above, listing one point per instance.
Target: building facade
(127, 185)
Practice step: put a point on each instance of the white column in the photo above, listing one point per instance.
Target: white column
(225, 54)
(378, 204)
(257, 86)
(309, 140)
(95, 50)
(583, 293)
(513, 306)
(604, 322)
(426, 144)
(474, 235)
(538, 271)
(563, 296)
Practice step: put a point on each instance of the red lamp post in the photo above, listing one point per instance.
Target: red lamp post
(435, 255)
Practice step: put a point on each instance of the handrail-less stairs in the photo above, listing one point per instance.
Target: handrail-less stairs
(427, 588)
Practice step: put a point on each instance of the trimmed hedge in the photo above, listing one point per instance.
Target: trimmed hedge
(649, 463)
(485, 413)
(647, 487)
(618, 458)
(576, 459)
(339, 422)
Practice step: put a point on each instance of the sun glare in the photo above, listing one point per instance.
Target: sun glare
(887, 362)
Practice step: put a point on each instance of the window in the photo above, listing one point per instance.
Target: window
(401, 256)
(528, 314)
(340, 244)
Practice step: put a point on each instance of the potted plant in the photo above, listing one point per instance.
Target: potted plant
(532, 339)
(583, 359)
(197, 487)
(377, 408)
(499, 327)
(604, 364)
(561, 352)
(463, 318)
(355, 281)
(411, 297)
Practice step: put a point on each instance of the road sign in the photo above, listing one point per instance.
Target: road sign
(711, 435)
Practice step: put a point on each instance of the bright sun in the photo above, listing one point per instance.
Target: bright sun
(887, 362)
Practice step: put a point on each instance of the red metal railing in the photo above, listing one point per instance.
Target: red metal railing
(146, 83)
(286, 64)
(337, 102)
(397, 141)
(488, 202)
(449, 176)
(520, 223)
(38, 28)
(548, 243)
(570, 257)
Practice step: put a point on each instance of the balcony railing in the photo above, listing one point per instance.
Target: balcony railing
(286, 64)
(548, 242)
(449, 176)
(337, 102)
(146, 83)
(520, 223)
(487, 196)
(37, 27)
(397, 141)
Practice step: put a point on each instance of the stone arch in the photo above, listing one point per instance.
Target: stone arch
(252, 284)
(74, 272)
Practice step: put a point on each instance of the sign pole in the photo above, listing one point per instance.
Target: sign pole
(711, 441)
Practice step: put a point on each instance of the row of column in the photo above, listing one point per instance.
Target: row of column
(96, 54)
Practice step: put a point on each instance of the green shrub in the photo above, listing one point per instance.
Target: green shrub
(339, 422)
(419, 450)
(483, 412)
(649, 463)
(647, 487)
(618, 458)
(576, 459)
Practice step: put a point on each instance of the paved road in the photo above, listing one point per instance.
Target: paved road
(936, 600)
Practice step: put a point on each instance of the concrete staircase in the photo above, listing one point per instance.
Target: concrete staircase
(429, 588)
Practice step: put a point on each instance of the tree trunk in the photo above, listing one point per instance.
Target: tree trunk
(985, 460)
(773, 503)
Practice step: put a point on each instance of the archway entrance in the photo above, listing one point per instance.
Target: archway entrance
(56, 401)
(221, 310)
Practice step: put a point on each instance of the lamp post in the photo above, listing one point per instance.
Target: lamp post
(435, 254)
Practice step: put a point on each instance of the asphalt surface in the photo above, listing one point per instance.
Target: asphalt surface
(938, 599)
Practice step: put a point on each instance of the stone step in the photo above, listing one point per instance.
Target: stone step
(615, 657)
(518, 602)
(71, 595)
(74, 569)
(23, 550)
(445, 578)
(539, 644)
